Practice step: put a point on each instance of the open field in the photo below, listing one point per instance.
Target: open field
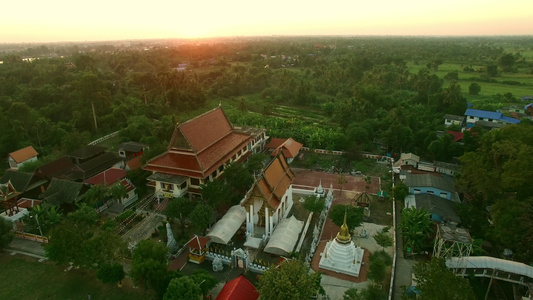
(25, 278)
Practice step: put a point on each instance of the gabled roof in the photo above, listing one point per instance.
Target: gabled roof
(132, 146)
(86, 151)
(454, 117)
(23, 154)
(437, 205)
(457, 136)
(200, 146)
(19, 180)
(274, 182)
(444, 182)
(107, 177)
(97, 165)
(197, 242)
(199, 133)
(510, 120)
(135, 163)
(63, 191)
(55, 168)
(483, 114)
(289, 147)
(410, 156)
(238, 289)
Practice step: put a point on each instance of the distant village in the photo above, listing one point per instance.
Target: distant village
(269, 225)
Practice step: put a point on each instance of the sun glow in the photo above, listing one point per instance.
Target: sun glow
(59, 20)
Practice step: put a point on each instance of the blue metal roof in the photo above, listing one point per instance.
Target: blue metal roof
(509, 120)
(483, 114)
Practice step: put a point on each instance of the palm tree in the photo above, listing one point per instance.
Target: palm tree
(416, 227)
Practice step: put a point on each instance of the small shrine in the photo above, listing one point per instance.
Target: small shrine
(197, 249)
(341, 255)
(362, 200)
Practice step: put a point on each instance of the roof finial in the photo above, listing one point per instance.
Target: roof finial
(343, 236)
(220, 103)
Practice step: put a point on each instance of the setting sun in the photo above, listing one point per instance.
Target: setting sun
(58, 20)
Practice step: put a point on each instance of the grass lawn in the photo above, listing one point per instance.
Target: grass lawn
(26, 278)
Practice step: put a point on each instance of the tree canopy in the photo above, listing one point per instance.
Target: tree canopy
(416, 228)
(434, 281)
(354, 215)
(290, 280)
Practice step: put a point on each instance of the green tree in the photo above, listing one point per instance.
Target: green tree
(314, 204)
(204, 280)
(354, 215)
(377, 270)
(474, 88)
(183, 288)
(149, 266)
(371, 292)
(416, 228)
(201, 216)
(434, 281)
(400, 191)
(6, 236)
(507, 62)
(179, 208)
(80, 240)
(383, 239)
(290, 280)
(110, 273)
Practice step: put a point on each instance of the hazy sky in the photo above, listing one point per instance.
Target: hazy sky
(61, 20)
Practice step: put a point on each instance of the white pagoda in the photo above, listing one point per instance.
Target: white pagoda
(341, 255)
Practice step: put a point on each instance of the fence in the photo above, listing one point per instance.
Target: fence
(104, 138)
(378, 158)
(31, 236)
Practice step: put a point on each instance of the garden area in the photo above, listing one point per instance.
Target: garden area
(25, 278)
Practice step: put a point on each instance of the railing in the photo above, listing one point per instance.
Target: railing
(104, 138)
(31, 236)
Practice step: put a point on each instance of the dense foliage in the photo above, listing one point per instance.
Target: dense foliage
(434, 281)
(289, 280)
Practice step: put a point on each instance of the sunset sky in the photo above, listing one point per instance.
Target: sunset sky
(60, 20)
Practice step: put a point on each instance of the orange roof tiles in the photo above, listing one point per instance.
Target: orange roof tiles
(199, 146)
(107, 177)
(23, 154)
(238, 289)
(275, 181)
(289, 147)
(197, 242)
(206, 129)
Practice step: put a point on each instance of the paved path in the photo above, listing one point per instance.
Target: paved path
(27, 247)
(404, 267)
(144, 229)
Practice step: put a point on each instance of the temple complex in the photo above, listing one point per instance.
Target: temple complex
(341, 255)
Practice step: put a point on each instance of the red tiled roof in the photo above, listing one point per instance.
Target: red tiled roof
(107, 177)
(289, 147)
(197, 242)
(238, 289)
(135, 163)
(200, 146)
(127, 184)
(28, 203)
(23, 154)
(206, 129)
(275, 181)
(457, 136)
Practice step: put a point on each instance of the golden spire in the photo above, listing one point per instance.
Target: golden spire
(343, 236)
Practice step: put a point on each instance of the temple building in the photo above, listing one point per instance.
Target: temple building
(341, 255)
(268, 201)
(199, 151)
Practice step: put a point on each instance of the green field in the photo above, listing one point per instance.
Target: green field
(488, 89)
(25, 278)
